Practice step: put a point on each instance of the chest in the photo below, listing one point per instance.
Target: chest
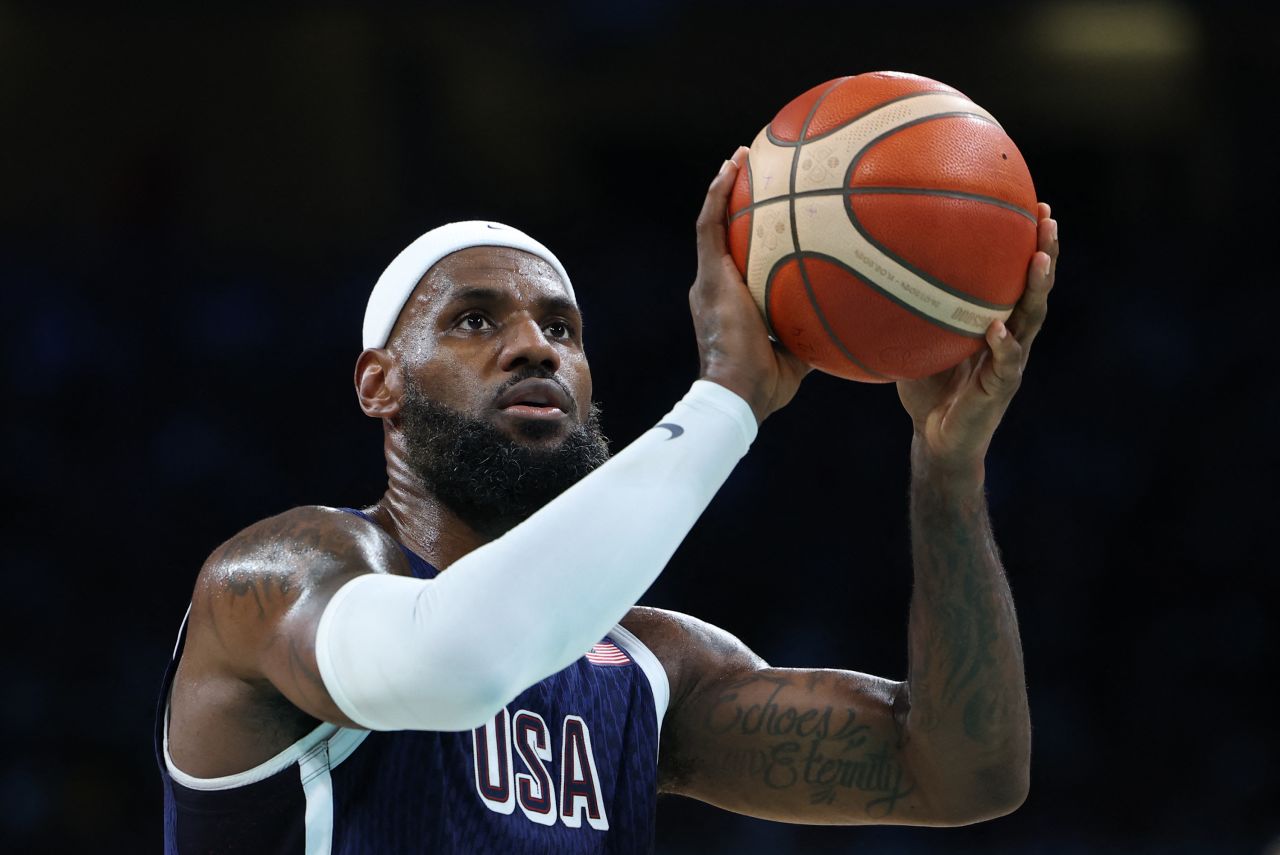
(567, 764)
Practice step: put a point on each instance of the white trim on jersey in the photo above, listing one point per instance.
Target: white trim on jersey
(183, 628)
(317, 787)
(649, 664)
(338, 743)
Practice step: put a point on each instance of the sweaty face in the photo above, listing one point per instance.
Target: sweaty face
(496, 408)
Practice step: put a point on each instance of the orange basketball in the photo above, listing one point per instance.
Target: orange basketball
(882, 223)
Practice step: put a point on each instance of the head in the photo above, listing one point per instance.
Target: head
(483, 385)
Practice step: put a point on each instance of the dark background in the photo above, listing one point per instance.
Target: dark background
(195, 205)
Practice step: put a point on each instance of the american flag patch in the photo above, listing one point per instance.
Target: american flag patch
(606, 653)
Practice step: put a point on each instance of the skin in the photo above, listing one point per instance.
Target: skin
(950, 745)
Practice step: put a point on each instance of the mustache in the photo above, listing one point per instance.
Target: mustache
(534, 372)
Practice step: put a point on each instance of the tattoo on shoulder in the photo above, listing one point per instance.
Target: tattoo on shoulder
(268, 564)
(826, 750)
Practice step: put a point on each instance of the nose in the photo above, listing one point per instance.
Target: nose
(525, 344)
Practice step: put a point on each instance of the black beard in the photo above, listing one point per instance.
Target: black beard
(493, 482)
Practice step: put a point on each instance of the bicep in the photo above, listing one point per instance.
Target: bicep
(261, 595)
(806, 746)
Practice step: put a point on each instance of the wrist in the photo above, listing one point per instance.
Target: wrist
(738, 385)
(708, 396)
(958, 475)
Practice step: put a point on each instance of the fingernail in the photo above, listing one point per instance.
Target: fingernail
(1002, 331)
(725, 166)
(1055, 230)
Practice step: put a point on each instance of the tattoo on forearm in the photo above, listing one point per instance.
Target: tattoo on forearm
(966, 659)
(826, 750)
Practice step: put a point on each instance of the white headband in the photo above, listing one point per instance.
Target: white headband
(407, 269)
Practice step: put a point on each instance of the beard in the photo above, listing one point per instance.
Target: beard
(491, 481)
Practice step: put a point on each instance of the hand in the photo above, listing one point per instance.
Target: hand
(733, 345)
(957, 411)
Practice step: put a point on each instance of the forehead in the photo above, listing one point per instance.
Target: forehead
(523, 275)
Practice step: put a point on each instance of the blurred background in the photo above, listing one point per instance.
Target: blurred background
(197, 200)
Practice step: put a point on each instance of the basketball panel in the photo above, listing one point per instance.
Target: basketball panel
(883, 336)
(789, 123)
(856, 95)
(740, 242)
(797, 326)
(770, 169)
(824, 227)
(770, 242)
(974, 247)
(824, 164)
(965, 154)
(740, 218)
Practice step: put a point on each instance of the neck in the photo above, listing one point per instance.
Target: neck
(412, 514)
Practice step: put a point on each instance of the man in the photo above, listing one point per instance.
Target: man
(446, 672)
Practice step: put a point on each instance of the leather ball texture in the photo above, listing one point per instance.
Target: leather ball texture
(882, 222)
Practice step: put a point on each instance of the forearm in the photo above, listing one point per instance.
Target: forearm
(446, 654)
(968, 723)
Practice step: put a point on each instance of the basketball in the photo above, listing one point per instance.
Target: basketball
(882, 222)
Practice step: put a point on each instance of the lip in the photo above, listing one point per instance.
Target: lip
(535, 398)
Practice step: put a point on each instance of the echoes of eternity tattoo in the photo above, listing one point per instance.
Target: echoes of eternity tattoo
(826, 750)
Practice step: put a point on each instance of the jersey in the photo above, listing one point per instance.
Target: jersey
(568, 766)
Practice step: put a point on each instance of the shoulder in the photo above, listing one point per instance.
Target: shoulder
(273, 565)
(692, 651)
(301, 543)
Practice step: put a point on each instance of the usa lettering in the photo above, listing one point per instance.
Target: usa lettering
(573, 799)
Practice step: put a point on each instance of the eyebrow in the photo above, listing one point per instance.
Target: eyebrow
(492, 296)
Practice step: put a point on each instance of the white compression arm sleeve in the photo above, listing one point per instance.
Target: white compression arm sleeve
(445, 654)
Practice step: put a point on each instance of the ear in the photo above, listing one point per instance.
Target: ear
(378, 384)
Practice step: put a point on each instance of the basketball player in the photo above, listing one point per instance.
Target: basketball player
(461, 667)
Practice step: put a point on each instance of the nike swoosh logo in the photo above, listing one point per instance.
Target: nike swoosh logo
(675, 429)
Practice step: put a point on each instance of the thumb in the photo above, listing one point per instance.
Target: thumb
(1000, 374)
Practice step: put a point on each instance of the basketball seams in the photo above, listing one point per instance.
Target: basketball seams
(927, 277)
(875, 126)
(947, 194)
(780, 143)
(813, 109)
(875, 286)
(889, 190)
(795, 231)
(840, 127)
(768, 290)
(835, 234)
(751, 194)
(889, 103)
(822, 318)
(795, 235)
(798, 257)
(857, 224)
(951, 114)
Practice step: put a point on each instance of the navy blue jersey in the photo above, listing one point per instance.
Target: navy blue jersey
(568, 766)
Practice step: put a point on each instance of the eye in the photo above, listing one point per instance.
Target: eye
(475, 322)
(559, 330)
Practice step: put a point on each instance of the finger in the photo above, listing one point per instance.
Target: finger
(1043, 211)
(1047, 241)
(1028, 316)
(1001, 373)
(712, 235)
